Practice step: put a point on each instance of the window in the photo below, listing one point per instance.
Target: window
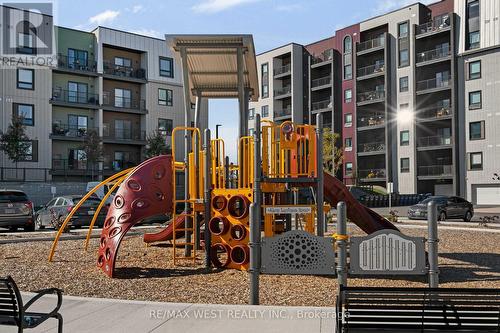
(347, 72)
(476, 130)
(166, 67)
(77, 125)
(123, 129)
(476, 161)
(475, 99)
(265, 80)
(77, 159)
(404, 138)
(405, 165)
(123, 98)
(165, 97)
(25, 43)
(474, 40)
(123, 62)
(348, 120)
(165, 126)
(251, 132)
(403, 29)
(348, 169)
(25, 111)
(404, 59)
(265, 111)
(347, 44)
(251, 114)
(403, 84)
(77, 59)
(347, 95)
(348, 144)
(475, 70)
(403, 44)
(25, 78)
(472, 24)
(77, 92)
(31, 154)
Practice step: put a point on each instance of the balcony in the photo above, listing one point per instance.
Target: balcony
(112, 165)
(372, 121)
(132, 136)
(287, 112)
(439, 171)
(431, 85)
(371, 45)
(371, 148)
(440, 23)
(370, 97)
(370, 71)
(283, 92)
(435, 113)
(283, 70)
(70, 132)
(321, 105)
(321, 82)
(76, 66)
(433, 56)
(323, 59)
(132, 74)
(118, 103)
(372, 175)
(72, 167)
(436, 141)
(73, 98)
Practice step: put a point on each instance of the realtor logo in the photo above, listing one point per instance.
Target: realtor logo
(27, 28)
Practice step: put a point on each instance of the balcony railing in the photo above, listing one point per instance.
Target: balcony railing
(60, 164)
(77, 97)
(433, 83)
(435, 112)
(371, 173)
(71, 131)
(371, 120)
(371, 44)
(435, 170)
(324, 56)
(283, 91)
(124, 134)
(282, 69)
(371, 96)
(438, 23)
(321, 81)
(321, 105)
(372, 69)
(431, 141)
(109, 99)
(371, 147)
(74, 64)
(433, 54)
(124, 71)
(117, 165)
(283, 112)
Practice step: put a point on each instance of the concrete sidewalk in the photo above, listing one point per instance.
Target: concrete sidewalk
(108, 315)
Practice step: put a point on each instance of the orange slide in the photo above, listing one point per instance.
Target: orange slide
(167, 233)
(368, 220)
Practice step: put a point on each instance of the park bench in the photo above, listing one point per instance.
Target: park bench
(362, 309)
(14, 313)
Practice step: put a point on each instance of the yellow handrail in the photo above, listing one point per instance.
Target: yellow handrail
(77, 206)
(101, 204)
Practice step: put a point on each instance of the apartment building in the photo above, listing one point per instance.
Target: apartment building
(479, 83)
(120, 85)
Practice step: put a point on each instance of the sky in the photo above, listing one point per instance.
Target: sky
(271, 22)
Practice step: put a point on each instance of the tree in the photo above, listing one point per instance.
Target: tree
(333, 153)
(92, 149)
(156, 145)
(15, 143)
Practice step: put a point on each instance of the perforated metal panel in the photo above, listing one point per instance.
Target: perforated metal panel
(298, 252)
(387, 252)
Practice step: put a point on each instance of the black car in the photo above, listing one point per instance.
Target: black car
(448, 208)
(16, 210)
(58, 209)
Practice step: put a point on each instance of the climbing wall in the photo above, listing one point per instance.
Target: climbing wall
(230, 228)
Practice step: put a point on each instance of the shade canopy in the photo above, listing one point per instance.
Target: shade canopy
(212, 64)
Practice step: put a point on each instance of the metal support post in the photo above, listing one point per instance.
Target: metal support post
(433, 244)
(342, 244)
(255, 220)
(208, 197)
(319, 188)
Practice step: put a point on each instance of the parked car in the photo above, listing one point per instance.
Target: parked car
(448, 208)
(58, 209)
(16, 210)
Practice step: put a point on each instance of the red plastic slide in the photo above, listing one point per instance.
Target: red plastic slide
(365, 218)
(166, 234)
(146, 192)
